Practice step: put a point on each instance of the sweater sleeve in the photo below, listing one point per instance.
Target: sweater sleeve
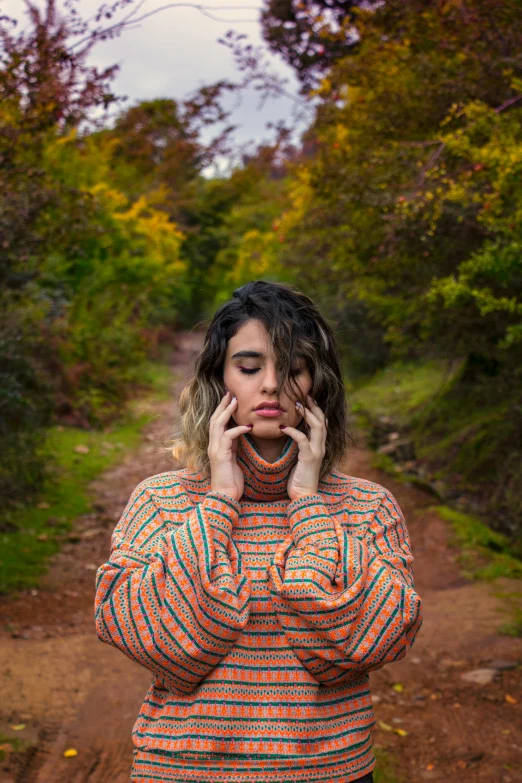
(172, 595)
(347, 605)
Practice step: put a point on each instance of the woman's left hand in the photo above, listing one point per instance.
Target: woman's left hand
(304, 477)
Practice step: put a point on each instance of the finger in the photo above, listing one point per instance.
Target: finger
(308, 415)
(315, 408)
(297, 435)
(224, 416)
(219, 421)
(222, 405)
(219, 408)
(234, 432)
(317, 428)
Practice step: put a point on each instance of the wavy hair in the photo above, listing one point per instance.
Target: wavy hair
(296, 329)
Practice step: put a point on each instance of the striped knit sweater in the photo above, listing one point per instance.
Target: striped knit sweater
(259, 620)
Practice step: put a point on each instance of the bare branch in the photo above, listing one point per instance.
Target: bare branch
(118, 27)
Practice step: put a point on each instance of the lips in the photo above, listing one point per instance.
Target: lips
(269, 406)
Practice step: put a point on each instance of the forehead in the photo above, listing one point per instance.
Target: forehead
(253, 336)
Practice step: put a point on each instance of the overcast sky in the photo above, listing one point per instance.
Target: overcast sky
(175, 51)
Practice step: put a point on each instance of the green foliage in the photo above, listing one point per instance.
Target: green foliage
(310, 36)
(16, 744)
(512, 606)
(402, 388)
(90, 274)
(486, 554)
(29, 535)
(386, 768)
(409, 206)
(411, 202)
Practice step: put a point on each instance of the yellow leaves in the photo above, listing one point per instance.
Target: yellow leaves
(111, 197)
(144, 226)
(386, 727)
(18, 726)
(398, 687)
(326, 86)
(61, 141)
(256, 255)
(70, 752)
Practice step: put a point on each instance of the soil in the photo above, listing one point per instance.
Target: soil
(74, 692)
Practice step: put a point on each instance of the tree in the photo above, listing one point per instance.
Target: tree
(310, 35)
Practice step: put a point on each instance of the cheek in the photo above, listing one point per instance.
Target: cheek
(239, 385)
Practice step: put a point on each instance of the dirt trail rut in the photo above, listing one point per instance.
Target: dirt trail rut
(72, 691)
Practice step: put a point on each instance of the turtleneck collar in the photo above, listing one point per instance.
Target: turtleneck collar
(265, 480)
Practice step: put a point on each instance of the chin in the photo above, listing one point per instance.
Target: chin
(268, 429)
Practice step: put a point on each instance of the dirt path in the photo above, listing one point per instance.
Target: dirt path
(72, 691)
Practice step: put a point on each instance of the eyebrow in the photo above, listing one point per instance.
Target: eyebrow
(256, 355)
(248, 355)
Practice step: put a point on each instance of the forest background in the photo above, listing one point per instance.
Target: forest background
(399, 210)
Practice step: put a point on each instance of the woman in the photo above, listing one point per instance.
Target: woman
(260, 585)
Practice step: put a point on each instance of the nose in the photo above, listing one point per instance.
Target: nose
(269, 379)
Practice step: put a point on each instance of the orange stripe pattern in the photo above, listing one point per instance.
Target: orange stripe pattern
(260, 620)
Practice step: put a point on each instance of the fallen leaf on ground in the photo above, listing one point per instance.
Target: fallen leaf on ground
(387, 727)
(429, 767)
(81, 449)
(43, 504)
(18, 726)
(461, 764)
(398, 686)
(510, 699)
(70, 752)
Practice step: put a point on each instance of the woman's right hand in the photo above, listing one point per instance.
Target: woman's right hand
(226, 476)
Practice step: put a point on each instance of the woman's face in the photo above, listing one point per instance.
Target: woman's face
(250, 375)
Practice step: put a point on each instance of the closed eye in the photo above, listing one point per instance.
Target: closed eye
(251, 371)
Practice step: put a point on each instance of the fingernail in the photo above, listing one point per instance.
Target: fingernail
(234, 399)
(282, 426)
(250, 425)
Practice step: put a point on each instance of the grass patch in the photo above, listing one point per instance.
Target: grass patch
(30, 535)
(386, 767)
(485, 554)
(512, 605)
(387, 464)
(401, 388)
(9, 744)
